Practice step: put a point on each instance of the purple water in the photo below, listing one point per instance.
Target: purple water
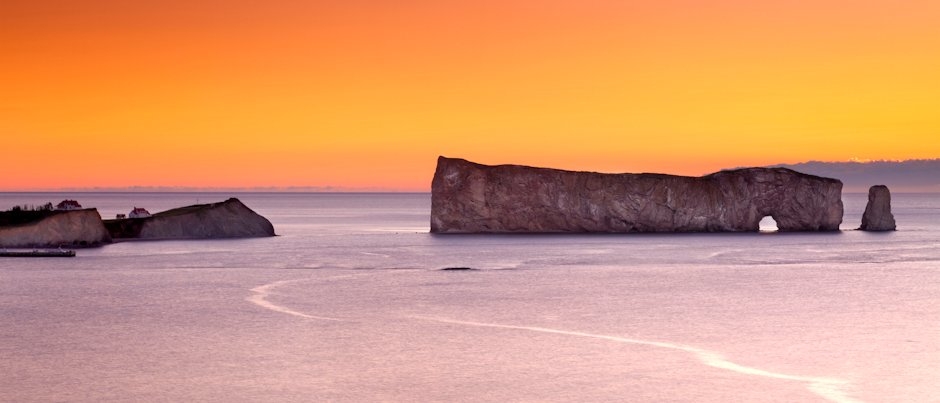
(349, 304)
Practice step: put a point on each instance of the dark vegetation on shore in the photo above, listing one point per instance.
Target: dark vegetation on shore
(123, 228)
(27, 214)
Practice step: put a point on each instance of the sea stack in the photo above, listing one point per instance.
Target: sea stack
(472, 198)
(877, 216)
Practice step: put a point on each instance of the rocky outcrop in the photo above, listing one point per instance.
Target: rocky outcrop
(228, 219)
(877, 216)
(471, 198)
(76, 228)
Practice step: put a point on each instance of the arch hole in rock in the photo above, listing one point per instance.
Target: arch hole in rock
(767, 224)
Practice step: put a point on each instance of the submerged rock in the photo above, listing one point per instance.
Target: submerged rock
(472, 198)
(73, 228)
(228, 219)
(877, 216)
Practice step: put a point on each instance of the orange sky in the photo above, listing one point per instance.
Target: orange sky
(366, 94)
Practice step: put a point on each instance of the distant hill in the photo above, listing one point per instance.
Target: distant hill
(899, 176)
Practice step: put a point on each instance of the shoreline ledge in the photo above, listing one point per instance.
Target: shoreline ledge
(468, 197)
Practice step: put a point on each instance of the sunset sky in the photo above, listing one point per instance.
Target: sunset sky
(365, 94)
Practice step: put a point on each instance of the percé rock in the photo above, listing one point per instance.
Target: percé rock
(877, 216)
(227, 219)
(472, 198)
(75, 228)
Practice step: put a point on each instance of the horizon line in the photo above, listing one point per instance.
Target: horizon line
(371, 189)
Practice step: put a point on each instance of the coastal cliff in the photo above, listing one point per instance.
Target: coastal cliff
(227, 219)
(76, 228)
(472, 198)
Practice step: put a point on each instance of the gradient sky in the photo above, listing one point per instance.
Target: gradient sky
(366, 94)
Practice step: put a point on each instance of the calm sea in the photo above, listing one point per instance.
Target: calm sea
(349, 304)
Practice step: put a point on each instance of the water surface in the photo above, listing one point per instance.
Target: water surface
(349, 304)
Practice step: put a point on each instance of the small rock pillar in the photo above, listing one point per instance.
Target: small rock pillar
(877, 216)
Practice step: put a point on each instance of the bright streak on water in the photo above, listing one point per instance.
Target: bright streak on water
(828, 388)
(261, 294)
(831, 389)
(348, 304)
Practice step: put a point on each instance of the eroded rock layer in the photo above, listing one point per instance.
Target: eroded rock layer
(76, 228)
(472, 198)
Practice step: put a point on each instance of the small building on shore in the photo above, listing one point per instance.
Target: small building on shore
(68, 205)
(139, 212)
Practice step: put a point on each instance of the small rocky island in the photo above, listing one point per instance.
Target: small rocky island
(472, 198)
(877, 216)
(84, 227)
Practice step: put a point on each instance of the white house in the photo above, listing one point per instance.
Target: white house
(68, 205)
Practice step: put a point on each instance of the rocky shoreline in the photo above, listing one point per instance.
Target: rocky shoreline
(85, 227)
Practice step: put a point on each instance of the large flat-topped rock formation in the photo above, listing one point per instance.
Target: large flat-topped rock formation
(75, 228)
(472, 198)
(227, 219)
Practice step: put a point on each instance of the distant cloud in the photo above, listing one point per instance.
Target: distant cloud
(858, 175)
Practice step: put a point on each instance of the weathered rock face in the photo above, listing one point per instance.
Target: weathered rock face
(76, 228)
(471, 198)
(228, 219)
(877, 216)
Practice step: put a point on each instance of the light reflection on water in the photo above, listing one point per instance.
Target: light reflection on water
(348, 304)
